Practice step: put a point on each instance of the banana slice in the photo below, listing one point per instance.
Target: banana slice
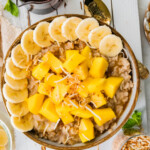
(28, 44)
(17, 110)
(14, 96)
(69, 27)
(19, 57)
(41, 36)
(97, 34)
(24, 123)
(15, 72)
(84, 28)
(15, 84)
(55, 29)
(110, 45)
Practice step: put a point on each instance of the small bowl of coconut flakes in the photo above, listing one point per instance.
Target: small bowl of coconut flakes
(137, 142)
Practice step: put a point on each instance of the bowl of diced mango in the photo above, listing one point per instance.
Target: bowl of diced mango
(69, 82)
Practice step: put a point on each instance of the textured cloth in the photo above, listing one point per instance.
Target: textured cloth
(8, 34)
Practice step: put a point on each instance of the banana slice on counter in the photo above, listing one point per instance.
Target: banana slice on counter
(14, 96)
(69, 27)
(15, 72)
(15, 84)
(111, 45)
(19, 57)
(28, 44)
(41, 36)
(24, 123)
(55, 29)
(17, 110)
(97, 34)
(84, 28)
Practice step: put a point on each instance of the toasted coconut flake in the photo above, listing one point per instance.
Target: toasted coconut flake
(92, 112)
(72, 95)
(85, 137)
(45, 129)
(64, 71)
(73, 103)
(61, 79)
(56, 124)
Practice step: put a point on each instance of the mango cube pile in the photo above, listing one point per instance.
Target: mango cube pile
(77, 87)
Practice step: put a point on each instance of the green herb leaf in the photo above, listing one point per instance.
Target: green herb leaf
(129, 124)
(12, 8)
(136, 120)
(137, 117)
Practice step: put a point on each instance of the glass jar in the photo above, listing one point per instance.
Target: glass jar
(7, 131)
(41, 7)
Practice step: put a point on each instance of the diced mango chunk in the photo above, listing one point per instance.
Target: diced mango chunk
(94, 85)
(48, 110)
(63, 111)
(69, 53)
(59, 92)
(111, 86)
(83, 138)
(73, 62)
(44, 88)
(83, 91)
(52, 79)
(82, 112)
(66, 118)
(35, 103)
(53, 61)
(86, 130)
(40, 71)
(105, 114)
(72, 104)
(88, 54)
(98, 99)
(98, 67)
(62, 108)
(66, 106)
(82, 71)
(85, 125)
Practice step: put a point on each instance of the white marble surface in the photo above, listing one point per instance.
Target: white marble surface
(146, 55)
(22, 142)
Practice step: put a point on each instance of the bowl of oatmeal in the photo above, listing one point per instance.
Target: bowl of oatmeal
(70, 82)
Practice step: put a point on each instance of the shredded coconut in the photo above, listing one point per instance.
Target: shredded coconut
(56, 124)
(92, 112)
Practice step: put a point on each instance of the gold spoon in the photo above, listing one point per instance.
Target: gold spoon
(99, 10)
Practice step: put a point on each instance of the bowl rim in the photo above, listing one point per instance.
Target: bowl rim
(94, 143)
